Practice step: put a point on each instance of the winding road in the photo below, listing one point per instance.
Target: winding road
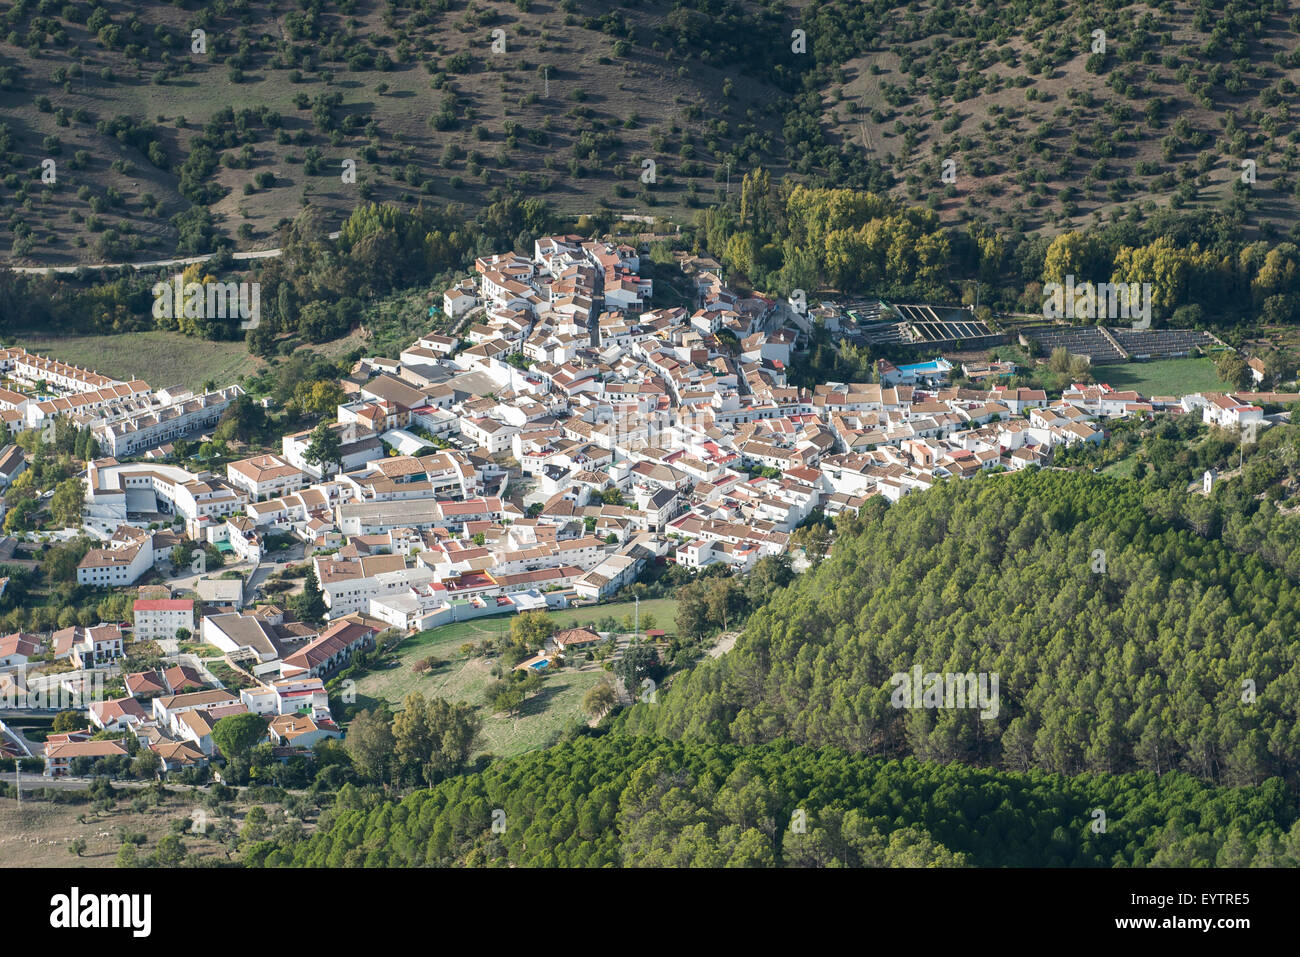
(156, 264)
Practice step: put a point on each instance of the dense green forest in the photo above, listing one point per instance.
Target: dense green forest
(648, 802)
(1253, 510)
(1122, 641)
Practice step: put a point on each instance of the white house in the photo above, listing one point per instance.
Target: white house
(491, 435)
(113, 567)
(1229, 412)
(12, 464)
(358, 445)
(88, 647)
(265, 476)
(117, 715)
(607, 577)
(459, 299)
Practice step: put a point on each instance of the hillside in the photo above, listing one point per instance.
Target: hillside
(645, 802)
(1055, 114)
(142, 128)
(1121, 641)
(1043, 133)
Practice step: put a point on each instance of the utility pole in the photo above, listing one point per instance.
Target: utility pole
(546, 79)
(636, 624)
(18, 780)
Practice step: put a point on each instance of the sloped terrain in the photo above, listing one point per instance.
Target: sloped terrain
(1055, 113)
(1051, 115)
(141, 128)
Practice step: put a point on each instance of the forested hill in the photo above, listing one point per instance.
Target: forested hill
(1121, 644)
(644, 801)
(1141, 665)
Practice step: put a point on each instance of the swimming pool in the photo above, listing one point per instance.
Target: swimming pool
(922, 367)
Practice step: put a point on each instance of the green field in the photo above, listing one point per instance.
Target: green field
(542, 718)
(663, 609)
(1162, 376)
(1121, 469)
(160, 358)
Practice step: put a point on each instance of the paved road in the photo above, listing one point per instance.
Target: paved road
(32, 782)
(275, 561)
(189, 582)
(156, 264)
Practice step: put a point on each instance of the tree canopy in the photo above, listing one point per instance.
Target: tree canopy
(1122, 641)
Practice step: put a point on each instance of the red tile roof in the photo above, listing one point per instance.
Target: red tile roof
(164, 604)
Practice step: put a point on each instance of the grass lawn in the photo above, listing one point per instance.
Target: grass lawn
(664, 611)
(160, 358)
(201, 649)
(1121, 469)
(542, 718)
(1162, 376)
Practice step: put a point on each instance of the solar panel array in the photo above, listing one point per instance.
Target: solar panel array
(1087, 341)
(882, 332)
(1119, 343)
(1162, 343)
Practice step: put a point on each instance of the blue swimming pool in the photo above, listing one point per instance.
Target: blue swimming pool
(922, 367)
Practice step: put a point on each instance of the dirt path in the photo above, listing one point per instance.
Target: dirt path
(726, 642)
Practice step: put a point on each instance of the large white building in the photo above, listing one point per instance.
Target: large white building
(116, 491)
(160, 618)
(32, 369)
(114, 567)
(1228, 411)
(145, 424)
(87, 408)
(358, 445)
(289, 696)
